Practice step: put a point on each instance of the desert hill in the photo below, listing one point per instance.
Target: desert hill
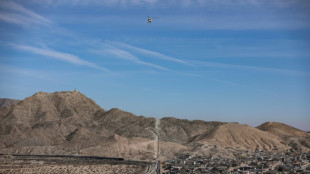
(71, 123)
(127, 124)
(290, 136)
(242, 136)
(184, 131)
(50, 120)
(4, 102)
(281, 129)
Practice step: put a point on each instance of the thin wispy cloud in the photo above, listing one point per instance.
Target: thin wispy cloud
(12, 18)
(174, 3)
(253, 68)
(152, 53)
(122, 54)
(12, 12)
(97, 2)
(58, 55)
(9, 69)
(236, 20)
(235, 84)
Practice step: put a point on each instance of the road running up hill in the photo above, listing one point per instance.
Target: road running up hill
(156, 140)
(155, 168)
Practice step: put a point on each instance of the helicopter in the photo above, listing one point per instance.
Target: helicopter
(149, 20)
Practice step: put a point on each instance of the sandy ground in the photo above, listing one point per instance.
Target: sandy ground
(61, 169)
(17, 166)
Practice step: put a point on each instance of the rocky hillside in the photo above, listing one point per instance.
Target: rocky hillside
(50, 120)
(184, 131)
(4, 102)
(70, 123)
(126, 124)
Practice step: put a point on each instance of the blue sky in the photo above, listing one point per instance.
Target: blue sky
(243, 61)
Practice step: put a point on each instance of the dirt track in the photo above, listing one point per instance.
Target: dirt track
(156, 139)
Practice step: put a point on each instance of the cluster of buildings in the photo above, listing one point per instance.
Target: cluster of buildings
(259, 161)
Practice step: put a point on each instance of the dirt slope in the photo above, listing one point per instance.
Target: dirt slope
(184, 131)
(242, 136)
(290, 136)
(281, 129)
